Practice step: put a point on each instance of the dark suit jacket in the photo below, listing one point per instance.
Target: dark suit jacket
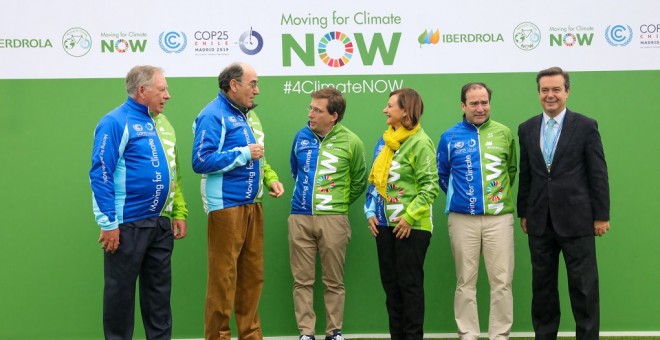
(576, 190)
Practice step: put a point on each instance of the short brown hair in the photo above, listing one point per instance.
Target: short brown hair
(553, 71)
(411, 102)
(474, 86)
(336, 101)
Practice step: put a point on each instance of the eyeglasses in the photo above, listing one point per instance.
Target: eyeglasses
(315, 109)
(253, 84)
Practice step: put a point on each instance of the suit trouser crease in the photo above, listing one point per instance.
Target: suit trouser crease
(582, 272)
(145, 251)
(235, 271)
(471, 236)
(401, 263)
(327, 235)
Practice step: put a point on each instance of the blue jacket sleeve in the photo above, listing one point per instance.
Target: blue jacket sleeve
(444, 163)
(370, 204)
(207, 155)
(372, 193)
(108, 137)
(293, 158)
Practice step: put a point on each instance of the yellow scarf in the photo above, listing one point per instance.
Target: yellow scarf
(380, 170)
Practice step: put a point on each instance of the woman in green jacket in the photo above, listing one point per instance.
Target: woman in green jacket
(403, 185)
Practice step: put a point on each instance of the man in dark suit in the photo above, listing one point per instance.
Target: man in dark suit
(563, 201)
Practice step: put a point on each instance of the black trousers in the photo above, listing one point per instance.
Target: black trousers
(401, 264)
(582, 272)
(145, 251)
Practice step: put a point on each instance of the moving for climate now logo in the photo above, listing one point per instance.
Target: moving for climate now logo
(337, 48)
(569, 36)
(123, 42)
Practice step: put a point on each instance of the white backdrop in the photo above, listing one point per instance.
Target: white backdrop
(92, 39)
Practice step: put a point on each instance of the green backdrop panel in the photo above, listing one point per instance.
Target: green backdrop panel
(52, 267)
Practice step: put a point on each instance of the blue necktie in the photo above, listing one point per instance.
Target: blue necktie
(549, 139)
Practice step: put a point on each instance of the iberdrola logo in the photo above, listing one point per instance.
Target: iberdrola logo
(394, 193)
(429, 37)
(325, 184)
(494, 191)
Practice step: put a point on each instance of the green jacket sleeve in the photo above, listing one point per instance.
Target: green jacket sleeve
(426, 173)
(358, 171)
(269, 175)
(513, 159)
(179, 210)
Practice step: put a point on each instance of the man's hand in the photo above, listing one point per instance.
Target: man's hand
(276, 189)
(256, 151)
(109, 240)
(179, 228)
(523, 224)
(601, 227)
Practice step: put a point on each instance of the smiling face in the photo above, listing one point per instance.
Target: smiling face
(553, 94)
(476, 106)
(394, 112)
(155, 95)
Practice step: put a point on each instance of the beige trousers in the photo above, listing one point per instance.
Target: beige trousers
(472, 235)
(327, 235)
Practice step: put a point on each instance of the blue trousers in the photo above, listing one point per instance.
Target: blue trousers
(145, 251)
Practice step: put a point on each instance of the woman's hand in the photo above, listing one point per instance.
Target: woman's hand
(402, 229)
(373, 225)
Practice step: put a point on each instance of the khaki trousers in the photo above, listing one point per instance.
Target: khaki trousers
(470, 236)
(327, 235)
(235, 271)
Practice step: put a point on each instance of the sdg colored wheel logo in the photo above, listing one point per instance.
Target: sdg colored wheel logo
(342, 51)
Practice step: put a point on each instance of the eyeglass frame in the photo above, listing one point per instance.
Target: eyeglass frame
(253, 84)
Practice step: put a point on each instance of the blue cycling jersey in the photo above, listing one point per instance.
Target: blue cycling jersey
(130, 174)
